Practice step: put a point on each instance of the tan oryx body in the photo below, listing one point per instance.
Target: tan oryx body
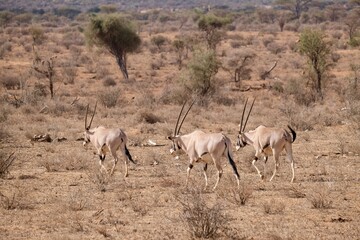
(107, 140)
(204, 148)
(267, 141)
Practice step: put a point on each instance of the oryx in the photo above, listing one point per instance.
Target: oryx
(267, 141)
(203, 147)
(107, 140)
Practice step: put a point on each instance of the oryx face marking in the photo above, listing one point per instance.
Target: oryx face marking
(203, 147)
(175, 146)
(86, 138)
(241, 142)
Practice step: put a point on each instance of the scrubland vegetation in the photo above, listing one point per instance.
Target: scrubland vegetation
(299, 59)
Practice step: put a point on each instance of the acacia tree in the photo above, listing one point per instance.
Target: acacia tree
(200, 73)
(296, 6)
(116, 34)
(313, 45)
(210, 25)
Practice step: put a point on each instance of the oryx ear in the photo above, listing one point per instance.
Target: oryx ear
(170, 137)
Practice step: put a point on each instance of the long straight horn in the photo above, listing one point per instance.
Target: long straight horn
(248, 114)
(87, 110)
(242, 116)
(92, 115)
(185, 116)
(177, 122)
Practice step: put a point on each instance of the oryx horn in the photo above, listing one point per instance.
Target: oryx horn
(242, 116)
(92, 117)
(178, 131)
(242, 126)
(177, 122)
(247, 118)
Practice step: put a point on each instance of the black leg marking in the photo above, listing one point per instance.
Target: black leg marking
(191, 166)
(205, 167)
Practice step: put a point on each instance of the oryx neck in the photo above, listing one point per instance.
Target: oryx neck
(249, 136)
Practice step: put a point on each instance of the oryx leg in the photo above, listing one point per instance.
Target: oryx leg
(276, 159)
(125, 161)
(265, 161)
(113, 153)
(289, 157)
(220, 171)
(188, 172)
(258, 171)
(101, 162)
(102, 155)
(205, 175)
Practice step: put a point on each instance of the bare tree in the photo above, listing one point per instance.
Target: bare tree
(46, 68)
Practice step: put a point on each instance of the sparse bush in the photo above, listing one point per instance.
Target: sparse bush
(77, 201)
(320, 198)
(238, 196)
(235, 44)
(296, 192)
(201, 220)
(109, 98)
(4, 48)
(275, 48)
(335, 57)
(102, 72)
(10, 81)
(274, 207)
(148, 117)
(159, 41)
(4, 134)
(109, 82)
(69, 72)
(16, 199)
(4, 113)
(5, 163)
(267, 40)
(302, 94)
(73, 38)
(278, 87)
(100, 179)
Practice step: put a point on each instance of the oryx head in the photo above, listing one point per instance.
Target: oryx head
(241, 140)
(87, 132)
(175, 138)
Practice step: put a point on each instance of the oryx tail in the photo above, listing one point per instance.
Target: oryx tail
(230, 158)
(128, 155)
(293, 133)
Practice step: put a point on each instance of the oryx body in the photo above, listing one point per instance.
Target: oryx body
(204, 147)
(107, 140)
(269, 141)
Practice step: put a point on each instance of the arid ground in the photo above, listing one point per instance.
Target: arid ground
(54, 190)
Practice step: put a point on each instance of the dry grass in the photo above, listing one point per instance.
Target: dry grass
(201, 220)
(57, 188)
(320, 198)
(5, 164)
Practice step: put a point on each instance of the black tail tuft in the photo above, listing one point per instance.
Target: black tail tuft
(293, 134)
(231, 161)
(128, 155)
